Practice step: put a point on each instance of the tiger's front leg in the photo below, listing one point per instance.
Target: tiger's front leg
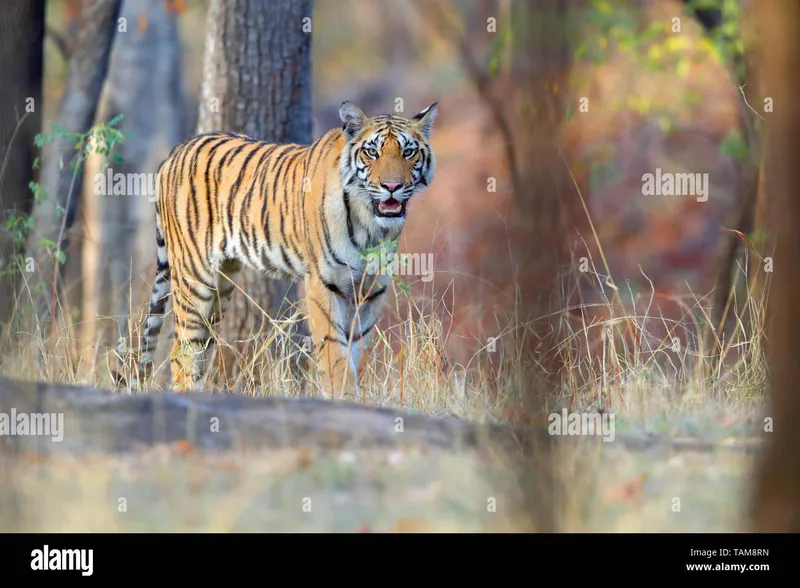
(338, 339)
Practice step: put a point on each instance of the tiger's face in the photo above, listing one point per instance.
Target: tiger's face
(387, 160)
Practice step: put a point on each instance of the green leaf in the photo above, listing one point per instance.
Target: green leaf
(46, 243)
(116, 120)
(494, 66)
(734, 145)
(40, 139)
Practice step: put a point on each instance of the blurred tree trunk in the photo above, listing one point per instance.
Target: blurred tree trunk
(55, 212)
(257, 81)
(529, 119)
(398, 38)
(22, 27)
(776, 501)
(748, 218)
(478, 24)
(145, 84)
(762, 229)
(544, 197)
(72, 272)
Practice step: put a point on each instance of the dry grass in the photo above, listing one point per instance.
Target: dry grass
(610, 487)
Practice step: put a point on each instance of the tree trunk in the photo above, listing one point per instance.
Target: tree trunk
(22, 27)
(72, 276)
(776, 502)
(55, 211)
(399, 39)
(529, 121)
(257, 81)
(731, 247)
(145, 84)
(544, 193)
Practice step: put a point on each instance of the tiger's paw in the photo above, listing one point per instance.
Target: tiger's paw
(122, 384)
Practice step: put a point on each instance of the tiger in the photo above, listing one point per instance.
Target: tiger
(302, 213)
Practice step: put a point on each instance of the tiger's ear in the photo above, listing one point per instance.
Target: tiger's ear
(353, 119)
(424, 119)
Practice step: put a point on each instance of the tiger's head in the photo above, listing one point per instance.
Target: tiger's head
(386, 160)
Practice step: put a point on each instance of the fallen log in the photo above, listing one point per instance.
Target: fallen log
(83, 419)
(99, 421)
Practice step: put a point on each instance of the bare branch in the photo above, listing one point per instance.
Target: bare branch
(435, 15)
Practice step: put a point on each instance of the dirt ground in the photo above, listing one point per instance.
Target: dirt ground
(675, 483)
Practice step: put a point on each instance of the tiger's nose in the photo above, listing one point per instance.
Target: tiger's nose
(392, 186)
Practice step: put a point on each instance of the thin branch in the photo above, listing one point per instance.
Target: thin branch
(741, 90)
(480, 80)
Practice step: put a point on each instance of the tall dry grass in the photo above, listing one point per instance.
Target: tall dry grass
(613, 357)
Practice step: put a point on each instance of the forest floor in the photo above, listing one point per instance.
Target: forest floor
(678, 481)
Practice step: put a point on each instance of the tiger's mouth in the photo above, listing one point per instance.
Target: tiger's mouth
(390, 208)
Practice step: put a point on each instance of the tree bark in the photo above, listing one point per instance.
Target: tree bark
(742, 219)
(529, 121)
(145, 84)
(776, 500)
(22, 29)
(544, 197)
(55, 212)
(257, 81)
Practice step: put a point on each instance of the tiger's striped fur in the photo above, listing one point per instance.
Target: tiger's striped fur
(303, 213)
